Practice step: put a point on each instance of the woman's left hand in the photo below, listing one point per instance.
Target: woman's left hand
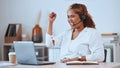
(64, 60)
(69, 59)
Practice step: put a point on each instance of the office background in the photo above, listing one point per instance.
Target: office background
(105, 14)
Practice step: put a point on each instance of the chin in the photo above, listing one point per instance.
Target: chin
(72, 27)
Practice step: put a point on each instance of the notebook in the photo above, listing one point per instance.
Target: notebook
(82, 63)
(25, 53)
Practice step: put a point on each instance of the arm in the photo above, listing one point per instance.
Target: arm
(50, 40)
(83, 58)
(96, 48)
(57, 39)
(52, 17)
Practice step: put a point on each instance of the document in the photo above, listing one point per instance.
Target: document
(82, 63)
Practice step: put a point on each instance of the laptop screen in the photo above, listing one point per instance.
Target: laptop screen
(25, 52)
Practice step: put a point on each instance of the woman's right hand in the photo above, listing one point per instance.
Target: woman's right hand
(52, 17)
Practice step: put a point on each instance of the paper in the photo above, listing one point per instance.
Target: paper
(82, 63)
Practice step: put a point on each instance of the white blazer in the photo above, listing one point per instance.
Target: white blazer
(88, 43)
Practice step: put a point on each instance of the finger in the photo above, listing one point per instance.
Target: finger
(65, 60)
(53, 14)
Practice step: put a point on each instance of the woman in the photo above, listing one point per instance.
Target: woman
(81, 42)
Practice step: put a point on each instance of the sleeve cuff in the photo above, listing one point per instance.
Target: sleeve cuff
(88, 57)
(50, 36)
(48, 39)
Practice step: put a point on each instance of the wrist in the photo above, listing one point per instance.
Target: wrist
(51, 22)
(82, 58)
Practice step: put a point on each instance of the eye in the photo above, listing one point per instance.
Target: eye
(68, 16)
(72, 16)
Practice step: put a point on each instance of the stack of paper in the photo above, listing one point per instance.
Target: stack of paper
(82, 63)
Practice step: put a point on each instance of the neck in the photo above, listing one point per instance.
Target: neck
(78, 29)
(76, 32)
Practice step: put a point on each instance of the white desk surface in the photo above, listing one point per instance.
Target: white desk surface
(63, 65)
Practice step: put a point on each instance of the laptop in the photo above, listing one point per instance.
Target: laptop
(25, 53)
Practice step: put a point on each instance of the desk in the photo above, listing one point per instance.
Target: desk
(63, 65)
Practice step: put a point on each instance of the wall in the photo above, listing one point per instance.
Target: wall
(104, 12)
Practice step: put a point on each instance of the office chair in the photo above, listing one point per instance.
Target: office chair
(105, 52)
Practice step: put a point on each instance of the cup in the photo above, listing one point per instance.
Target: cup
(12, 57)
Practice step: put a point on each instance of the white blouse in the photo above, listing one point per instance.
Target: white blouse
(88, 43)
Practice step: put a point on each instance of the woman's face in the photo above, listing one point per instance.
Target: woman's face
(73, 18)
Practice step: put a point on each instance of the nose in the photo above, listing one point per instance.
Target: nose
(69, 19)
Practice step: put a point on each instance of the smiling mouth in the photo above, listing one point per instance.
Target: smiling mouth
(71, 24)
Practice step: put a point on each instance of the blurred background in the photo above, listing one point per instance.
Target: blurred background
(105, 14)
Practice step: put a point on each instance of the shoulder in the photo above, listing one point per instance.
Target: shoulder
(92, 31)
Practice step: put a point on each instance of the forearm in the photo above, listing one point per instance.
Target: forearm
(95, 57)
(83, 58)
(52, 17)
(49, 30)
